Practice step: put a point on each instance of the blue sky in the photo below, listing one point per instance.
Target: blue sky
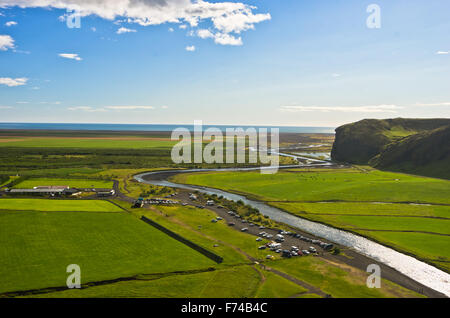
(291, 62)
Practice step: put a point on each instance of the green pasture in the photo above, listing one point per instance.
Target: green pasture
(234, 282)
(337, 280)
(366, 195)
(104, 143)
(324, 186)
(73, 183)
(52, 205)
(37, 247)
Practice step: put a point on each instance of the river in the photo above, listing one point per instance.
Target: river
(417, 270)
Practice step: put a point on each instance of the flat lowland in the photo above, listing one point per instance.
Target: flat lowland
(409, 213)
(55, 205)
(36, 248)
(86, 142)
(349, 185)
(237, 276)
(73, 183)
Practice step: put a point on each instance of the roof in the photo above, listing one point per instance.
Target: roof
(51, 187)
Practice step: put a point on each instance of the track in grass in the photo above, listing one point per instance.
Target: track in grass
(37, 247)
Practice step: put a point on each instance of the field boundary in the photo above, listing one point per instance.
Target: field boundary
(216, 258)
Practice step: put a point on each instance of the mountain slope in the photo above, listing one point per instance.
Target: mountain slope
(420, 146)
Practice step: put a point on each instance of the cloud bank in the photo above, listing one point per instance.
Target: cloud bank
(347, 109)
(227, 18)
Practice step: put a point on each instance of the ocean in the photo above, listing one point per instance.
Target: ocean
(151, 127)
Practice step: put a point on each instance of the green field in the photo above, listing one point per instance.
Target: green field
(349, 185)
(358, 197)
(239, 281)
(36, 248)
(52, 205)
(339, 281)
(73, 183)
(103, 143)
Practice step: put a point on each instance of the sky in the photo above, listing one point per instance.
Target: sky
(259, 62)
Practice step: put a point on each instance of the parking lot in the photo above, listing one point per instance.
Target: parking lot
(286, 244)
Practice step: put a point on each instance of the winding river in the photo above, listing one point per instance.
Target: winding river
(417, 270)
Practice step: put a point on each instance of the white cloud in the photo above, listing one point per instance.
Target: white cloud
(226, 16)
(12, 82)
(5, 107)
(434, 104)
(226, 39)
(346, 109)
(93, 29)
(123, 30)
(129, 107)
(70, 56)
(86, 109)
(183, 26)
(6, 42)
(442, 52)
(171, 30)
(204, 34)
(10, 23)
(109, 108)
(190, 48)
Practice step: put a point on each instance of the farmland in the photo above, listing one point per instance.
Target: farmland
(52, 205)
(236, 277)
(406, 212)
(80, 142)
(73, 183)
(121, 256)
(36, 248)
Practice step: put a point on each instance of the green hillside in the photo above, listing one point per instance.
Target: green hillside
(418, 146)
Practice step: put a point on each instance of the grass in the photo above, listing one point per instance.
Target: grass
(53, 205)
(338, 280)
(36, 248)
(360, 192)
(73, 183)
(202, 217)
(278, 287)
(103, 143)
(354, 186)
(239, 281)
(363, 208)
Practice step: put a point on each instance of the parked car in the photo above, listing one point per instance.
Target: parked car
(231, 224)
(305, 252)
(312, 249)
(258, 239)
(244, 229)
(269, 257)
(262, 247)
(214, 221)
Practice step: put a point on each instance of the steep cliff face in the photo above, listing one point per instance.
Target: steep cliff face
(412, 145)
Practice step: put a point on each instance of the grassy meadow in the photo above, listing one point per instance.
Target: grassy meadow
(86, 142)
(73, 183)
(365, 201)
(36, 247)
(55, 205)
